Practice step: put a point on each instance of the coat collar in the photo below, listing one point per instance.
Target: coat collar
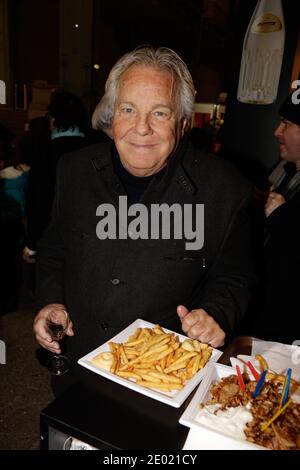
(175, 169)
(102, 157)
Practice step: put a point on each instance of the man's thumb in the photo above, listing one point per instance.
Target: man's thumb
(182, 311)
(70, 331)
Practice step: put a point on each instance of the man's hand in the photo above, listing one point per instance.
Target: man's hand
(28, 255)
(40, 328)
(274, 200)
(197, 324)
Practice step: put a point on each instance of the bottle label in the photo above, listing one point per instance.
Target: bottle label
(267, 23)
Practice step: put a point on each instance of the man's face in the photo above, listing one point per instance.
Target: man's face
(145, 126)
(288, 136)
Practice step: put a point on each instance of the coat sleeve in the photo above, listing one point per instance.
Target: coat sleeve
(230, 280)
(51, 257)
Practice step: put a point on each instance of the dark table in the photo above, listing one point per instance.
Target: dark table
(107, 415)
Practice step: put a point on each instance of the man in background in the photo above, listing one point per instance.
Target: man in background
(276, 314)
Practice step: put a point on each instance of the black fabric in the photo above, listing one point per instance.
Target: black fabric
(290, 170)
(134, 186)
(10, 235)
(107, 284)
(290, 109)
(276, 314)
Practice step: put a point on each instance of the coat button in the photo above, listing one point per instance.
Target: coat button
(115, 281)
(104, 326)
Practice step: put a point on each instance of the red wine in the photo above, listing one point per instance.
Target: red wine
(56, 331)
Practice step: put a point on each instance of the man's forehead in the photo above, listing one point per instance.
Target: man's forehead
(138, 74)
(141, 71)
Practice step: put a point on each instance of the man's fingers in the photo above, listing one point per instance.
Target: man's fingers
(274, 201)
(70, 331)
(200, 332)
(46, 342)
(217, 342)
(41, 331)
(54, 347)
(182, 311)
(214, 337)
(188, 323)
(218, 339)
(198, 324)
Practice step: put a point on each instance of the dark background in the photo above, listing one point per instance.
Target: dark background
(208, 34)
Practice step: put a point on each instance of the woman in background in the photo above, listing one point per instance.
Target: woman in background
(13, 181)
(68, 124)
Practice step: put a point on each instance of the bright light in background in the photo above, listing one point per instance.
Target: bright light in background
(2, 96)
(76, 25)
(2, 350)
(96, 66)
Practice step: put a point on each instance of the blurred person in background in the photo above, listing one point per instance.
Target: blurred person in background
(13, 180)
(31, 142)
(275, 314)
(67, 123)
(13, 173)
(285, 178)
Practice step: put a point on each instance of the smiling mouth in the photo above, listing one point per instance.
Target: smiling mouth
(142, 145)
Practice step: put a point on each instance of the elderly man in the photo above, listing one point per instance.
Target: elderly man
(105, 266)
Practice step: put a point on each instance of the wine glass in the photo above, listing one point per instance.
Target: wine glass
(57, 325)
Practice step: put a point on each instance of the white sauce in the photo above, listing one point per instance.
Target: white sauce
(296, 396)
(230, 421)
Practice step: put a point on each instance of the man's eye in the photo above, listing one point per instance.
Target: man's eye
(160, 114)
(285, 122)
(127, 110)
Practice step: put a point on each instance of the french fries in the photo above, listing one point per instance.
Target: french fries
(155, 359)
(272, 376)
(262, 362)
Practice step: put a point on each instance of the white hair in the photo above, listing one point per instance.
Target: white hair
(163, 59)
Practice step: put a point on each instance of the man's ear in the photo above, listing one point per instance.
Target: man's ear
(184, 127)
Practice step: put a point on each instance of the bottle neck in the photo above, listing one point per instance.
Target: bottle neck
(269, 6)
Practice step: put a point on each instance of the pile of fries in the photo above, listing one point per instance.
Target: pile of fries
(155, 359)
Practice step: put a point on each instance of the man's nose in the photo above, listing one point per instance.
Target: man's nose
(143, 126)
(279, 130)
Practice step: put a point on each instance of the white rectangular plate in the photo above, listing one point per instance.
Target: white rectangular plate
(174, 398)
(208, 437)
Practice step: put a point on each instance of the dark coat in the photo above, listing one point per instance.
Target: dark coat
(278, 316)
(107, 284)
